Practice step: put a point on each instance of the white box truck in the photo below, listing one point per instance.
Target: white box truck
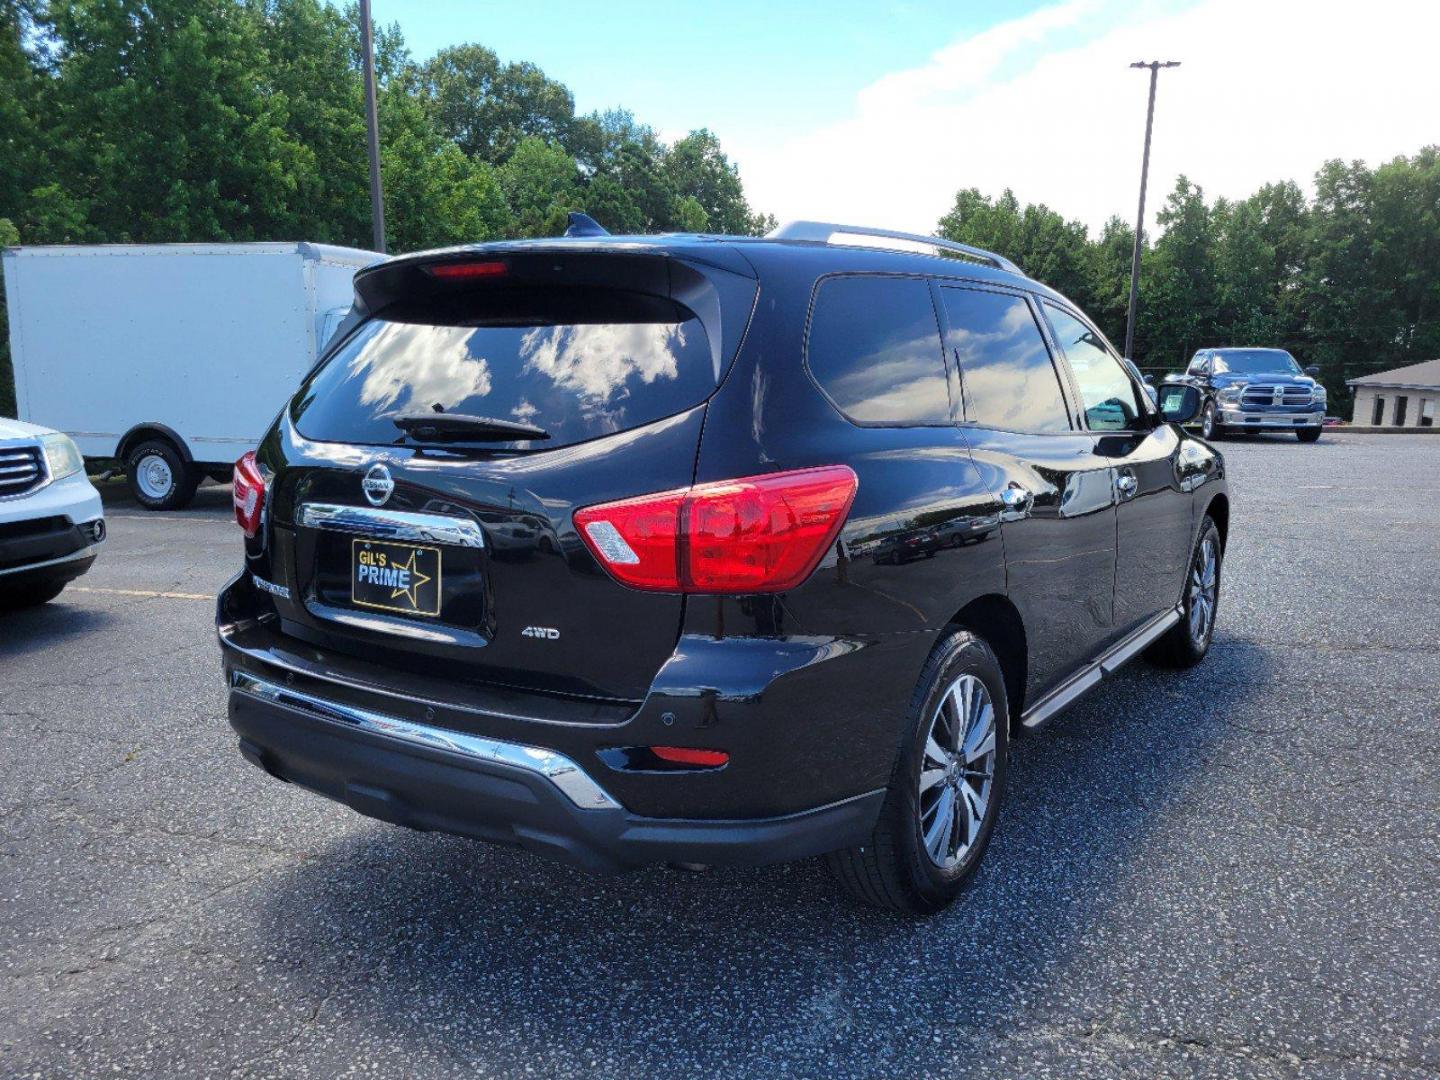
(171, 358)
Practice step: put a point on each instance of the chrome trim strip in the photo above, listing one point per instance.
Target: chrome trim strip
(393, 524)
(572, 781)
(35, 452)
(1097, 670)
(90, 549)
(1131, 647)
(1060, 698)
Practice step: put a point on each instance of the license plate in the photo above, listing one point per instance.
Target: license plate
(403, 578)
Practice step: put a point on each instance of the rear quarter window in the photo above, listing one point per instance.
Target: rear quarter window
(579, 370)
(874, 348)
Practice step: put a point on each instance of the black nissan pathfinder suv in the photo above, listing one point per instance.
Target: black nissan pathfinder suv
(606, 547)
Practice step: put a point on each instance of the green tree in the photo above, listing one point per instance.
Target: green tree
(488, 108)
(1179, 279)
(690, 216)
(165, 127)
(23, 91)
(9, 236)
(698, 169)
(541, 183)
(318, 97)
(1347, 323)
(435, 195)
(1244, 267)
(1108, 274)
(1406, 221)
(1040, 240)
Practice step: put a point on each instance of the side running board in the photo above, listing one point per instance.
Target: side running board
(1093, 673)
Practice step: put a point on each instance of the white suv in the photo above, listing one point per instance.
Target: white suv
(51, 522)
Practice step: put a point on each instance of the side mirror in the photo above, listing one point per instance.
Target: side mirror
(1149, 380)
(1312, 369)
(1179, 403)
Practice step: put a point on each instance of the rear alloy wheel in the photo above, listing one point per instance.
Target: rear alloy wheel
(943, 799)
(1209, 425)
(957, 776)
(1187, 642)
(160, 479)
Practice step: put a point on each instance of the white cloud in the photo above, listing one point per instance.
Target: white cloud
(1268, 91)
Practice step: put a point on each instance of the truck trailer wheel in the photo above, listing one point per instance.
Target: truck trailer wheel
(159, 478)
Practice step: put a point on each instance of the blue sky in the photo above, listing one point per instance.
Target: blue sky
(680, 65)
(877, 113)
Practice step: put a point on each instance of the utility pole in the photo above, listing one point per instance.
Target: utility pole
(372, 122)
(1154, 66)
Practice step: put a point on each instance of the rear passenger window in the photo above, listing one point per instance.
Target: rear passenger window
(875, 349)
(1005, 367)
(1106, 393)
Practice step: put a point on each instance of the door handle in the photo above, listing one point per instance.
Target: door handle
(1126, 484)
(1016, 502)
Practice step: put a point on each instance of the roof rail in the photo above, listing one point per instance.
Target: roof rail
(822, 232)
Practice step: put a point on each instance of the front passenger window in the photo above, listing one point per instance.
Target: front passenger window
(1107, 393)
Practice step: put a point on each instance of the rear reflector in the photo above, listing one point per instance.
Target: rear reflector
(687, 755)
(752, 535)
(459, 270)
(248, 494)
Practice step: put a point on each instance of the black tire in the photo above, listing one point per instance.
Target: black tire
(1210, 428)
(1180, 647)
(19, 597)
(894, 870)
(1308, 434)
(184, 478)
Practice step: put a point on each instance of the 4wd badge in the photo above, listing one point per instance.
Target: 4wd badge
(546, 632)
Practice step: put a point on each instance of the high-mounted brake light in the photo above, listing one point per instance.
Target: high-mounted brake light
(756, 534)
(249, 494)
(453, 271)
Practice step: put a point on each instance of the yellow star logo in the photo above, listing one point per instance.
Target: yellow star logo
(417, 579)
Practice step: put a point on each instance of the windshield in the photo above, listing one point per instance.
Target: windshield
(1255, 362)
(576, 378)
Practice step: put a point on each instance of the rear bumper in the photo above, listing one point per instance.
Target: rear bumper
(435, 779)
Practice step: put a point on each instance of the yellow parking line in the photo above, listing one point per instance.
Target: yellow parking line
(150, 593)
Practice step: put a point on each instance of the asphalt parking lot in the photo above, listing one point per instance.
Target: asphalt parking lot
(1230, 872)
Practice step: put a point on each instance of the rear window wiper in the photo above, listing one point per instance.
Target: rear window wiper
(460, 427)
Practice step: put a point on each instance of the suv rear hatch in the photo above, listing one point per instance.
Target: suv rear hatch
(443, 544)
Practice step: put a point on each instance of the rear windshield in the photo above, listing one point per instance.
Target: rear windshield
(578, 367)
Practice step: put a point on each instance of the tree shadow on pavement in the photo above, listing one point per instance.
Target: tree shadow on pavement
(36, 629)
(478, 956)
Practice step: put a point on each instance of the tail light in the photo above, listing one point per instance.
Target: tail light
(249, 494)
(752, 535)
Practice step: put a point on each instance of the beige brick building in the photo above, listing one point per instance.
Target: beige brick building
(1405, 397)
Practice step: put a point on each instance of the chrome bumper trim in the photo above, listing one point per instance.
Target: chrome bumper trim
(393, 524)
(572, 781)
(91, 549)
(1236, 418)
